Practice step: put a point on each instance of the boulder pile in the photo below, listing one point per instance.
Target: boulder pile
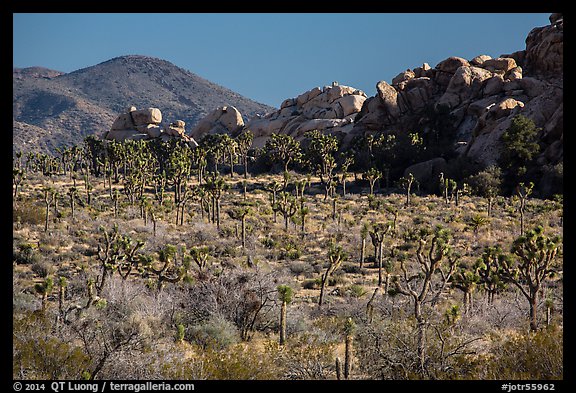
(331, 109)
(145, 124)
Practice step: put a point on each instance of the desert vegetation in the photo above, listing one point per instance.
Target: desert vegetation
(154, 260)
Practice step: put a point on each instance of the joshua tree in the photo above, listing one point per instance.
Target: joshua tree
(336, 255)
(487, 184)
(446, 185)
(230, 147)
(274, 187)
(18, 177)
(466, 279)
(116, 252)
(115, 199)
(364, 230)
(170, 271)
(73, 195)
(433, 249)
(49, 197)
(377, 233)
(200, 256)
(407, 183)
(488, 268)
(536, 253)
(372, 175)
(283, 148)
(477, 221)
(240, 213)
(244, 142)
(523, 191)
(348, 160)
(215, 185)
(320, 156)
(287, 206)
(62, 285)
(285, 296)
(303, 212)
(44, 289)
(349, 328)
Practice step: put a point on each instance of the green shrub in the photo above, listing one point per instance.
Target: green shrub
(312, 283)
(217, 333)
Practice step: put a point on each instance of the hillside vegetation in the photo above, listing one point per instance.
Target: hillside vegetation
(151, 260)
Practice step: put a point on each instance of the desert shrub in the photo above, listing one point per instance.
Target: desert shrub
(39, 355)
(356, 290)
(239, 363)
(290, 251)
(26, 254)
(28, 213)
(268, 242)
(216, 332)
(299, 268)
(42, 268)
(534, 355)
(307, 357)
(312, 283)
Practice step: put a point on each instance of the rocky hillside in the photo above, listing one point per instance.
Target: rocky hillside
(51, 108)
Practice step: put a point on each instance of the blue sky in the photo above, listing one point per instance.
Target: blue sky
(271, 57)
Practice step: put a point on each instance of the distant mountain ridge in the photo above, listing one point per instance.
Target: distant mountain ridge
(52, 108)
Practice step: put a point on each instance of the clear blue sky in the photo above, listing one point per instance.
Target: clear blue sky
(271, 57)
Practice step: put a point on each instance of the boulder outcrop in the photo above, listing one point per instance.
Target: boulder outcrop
(478, 97)
(225, 119)
(145, 124)
(331, 109)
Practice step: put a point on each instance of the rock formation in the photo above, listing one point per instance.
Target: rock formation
(330, 109)
(225, 119)
(479, 97)
(144, 124)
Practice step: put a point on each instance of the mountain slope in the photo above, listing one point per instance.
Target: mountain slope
(51, 108)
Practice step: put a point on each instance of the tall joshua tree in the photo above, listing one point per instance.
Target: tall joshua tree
(274, 187)
(536, 254)
(283, 148)
(364, 230)
(285, 295)
(377, 233)
(240, 213)
(49, 197)
(349, 328)
(44, 289)
(372, 175)
(433, 249)
(244, 143)
(215, 185)
(287, 206)
(406, 183)
(523, 191)
(336, 255)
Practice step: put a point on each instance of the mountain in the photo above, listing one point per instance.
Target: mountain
(52, 108)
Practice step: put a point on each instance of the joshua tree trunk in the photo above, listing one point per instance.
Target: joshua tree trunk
(283, 323)
(380, 264)
(244, 231)
(362, 252)
(348, 356)
(533, 312)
